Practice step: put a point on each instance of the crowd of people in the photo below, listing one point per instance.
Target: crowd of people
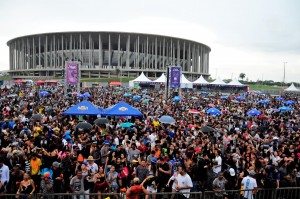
(199, 152)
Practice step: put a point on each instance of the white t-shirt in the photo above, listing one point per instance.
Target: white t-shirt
(184, 180)
(219, 162)
(249, 183)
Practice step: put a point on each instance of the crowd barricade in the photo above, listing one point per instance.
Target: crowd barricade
(280, 193)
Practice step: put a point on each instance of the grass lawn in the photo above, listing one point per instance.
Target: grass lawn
(265, 87)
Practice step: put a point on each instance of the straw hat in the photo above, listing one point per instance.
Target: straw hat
(90, 158)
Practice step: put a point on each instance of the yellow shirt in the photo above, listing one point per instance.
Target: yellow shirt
(35, 166)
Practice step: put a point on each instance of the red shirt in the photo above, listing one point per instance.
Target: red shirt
(135, 191)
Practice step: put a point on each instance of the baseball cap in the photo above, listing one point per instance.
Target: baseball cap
(231, 172)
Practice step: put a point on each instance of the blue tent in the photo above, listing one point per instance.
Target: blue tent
(83, 108)
(122, 109)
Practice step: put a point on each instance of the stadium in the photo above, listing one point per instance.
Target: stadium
(105, 55)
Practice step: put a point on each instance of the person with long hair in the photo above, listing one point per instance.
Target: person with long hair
(100, 181)
(26, 188)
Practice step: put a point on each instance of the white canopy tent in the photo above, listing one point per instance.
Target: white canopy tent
(140, 79)
(200, 80)
(219, 82)
(235, 82)
(185, 83)
(161, 80)
(292, 88)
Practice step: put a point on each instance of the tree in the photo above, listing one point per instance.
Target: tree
(242, 76)
(118, 71)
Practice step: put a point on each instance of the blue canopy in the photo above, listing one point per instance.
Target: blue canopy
(83, 108)
(253, 112)
(122, 109)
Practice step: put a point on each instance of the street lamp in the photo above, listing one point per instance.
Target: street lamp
(284, 71)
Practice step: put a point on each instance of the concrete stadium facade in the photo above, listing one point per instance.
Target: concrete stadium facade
(105, 55)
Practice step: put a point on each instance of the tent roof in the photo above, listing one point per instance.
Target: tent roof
(235, 82)
(292, 88)
(122, 109)
(184, 80)
(83, 108)
(161, 79)
(200, 80)
(142, 78)
(218, 81)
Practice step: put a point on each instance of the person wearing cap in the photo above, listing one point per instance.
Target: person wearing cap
(46, 185)
(250, 184)
(93, 169)
(137, 189)
(57, 177)
(104, 151)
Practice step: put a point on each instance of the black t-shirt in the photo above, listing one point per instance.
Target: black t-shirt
(163, 176)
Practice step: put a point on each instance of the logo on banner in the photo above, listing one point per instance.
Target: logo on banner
(123, 109)
(83, 108)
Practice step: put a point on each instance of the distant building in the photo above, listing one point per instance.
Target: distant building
(105, 54)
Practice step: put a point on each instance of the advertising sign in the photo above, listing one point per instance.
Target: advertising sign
(175, 77)
(72, 73)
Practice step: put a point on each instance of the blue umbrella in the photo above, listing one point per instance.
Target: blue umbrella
(263, 101)
(279, 98)
(144, 91)
(145, 101)
(126, 124)
(79, 95)
(289, 102)
(224, 97)
(87, 95)
(44, 93)
(177, 98)
(253, 112)
(213, 111)
(204, 93)
(127, 95)
(137, 97)
(165, 119)
(240, 98)
(284, 108)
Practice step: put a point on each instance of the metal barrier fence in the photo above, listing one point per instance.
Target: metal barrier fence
(280, 193)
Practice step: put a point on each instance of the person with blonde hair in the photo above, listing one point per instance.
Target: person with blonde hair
(136, 189)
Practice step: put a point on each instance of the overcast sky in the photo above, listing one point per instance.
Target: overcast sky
(250, 36)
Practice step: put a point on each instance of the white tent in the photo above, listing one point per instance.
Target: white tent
(200, 80)
(161, 80)
(140, 79)
(235, 82)
(292, 88)
(218, 81)
(185, 83)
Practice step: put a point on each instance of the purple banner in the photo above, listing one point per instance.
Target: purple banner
(175, 77)
(72, 73)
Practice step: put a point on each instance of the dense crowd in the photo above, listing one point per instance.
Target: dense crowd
(198, 152)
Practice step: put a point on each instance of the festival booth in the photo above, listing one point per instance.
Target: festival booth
(218, 85)
(236, 86)
(201, 83)
(122, 109)
(83, 108)
(292, 89)
(185, 83)
(139, 81)
(161, 81)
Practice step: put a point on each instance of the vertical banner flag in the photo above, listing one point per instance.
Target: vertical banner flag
(175, 77)
(71, 73)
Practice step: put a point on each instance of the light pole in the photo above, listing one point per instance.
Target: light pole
(284, 71)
